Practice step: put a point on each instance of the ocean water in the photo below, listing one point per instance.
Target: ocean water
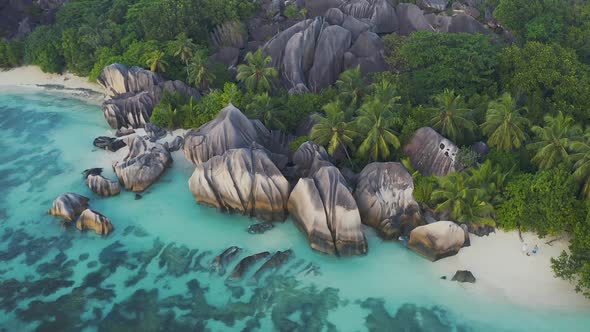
(152, 273)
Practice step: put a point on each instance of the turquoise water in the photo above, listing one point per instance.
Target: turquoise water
(152, 273)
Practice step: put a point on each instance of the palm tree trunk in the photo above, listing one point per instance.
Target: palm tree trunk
(347, 155)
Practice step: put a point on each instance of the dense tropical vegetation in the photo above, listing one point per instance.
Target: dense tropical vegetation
(527, 98)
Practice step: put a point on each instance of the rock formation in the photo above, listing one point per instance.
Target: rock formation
(134, 92)
(242, 267)
(384, 195)
(437, 240)
(431, 153)
(143, 165)
(323, 207)
(176, 144)
(243, 180)
(108, 143)
(92, 220)
(69, 206)
(306, 155)
(102, 186)
(464, 276)
(219, 263)
(277, 260)
(232, 130)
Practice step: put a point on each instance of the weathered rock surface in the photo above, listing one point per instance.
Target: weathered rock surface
(384, 195)
(176, 144)
(219, 263)
(277, 260)
(143, 165)
(323, 207)
(92, 220)
(305, 156)
(231, 129)
(438, 240)
(260, 228)
(431, 153)
(480, 229)
(69, 206)
(134, 92)
(242, 267)
(242, 180)
(102, 186)
(124, 132)
(108, 143)
(464, 276)
(432, 5)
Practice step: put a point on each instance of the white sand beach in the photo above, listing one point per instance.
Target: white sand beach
(503, 271)
(32, 76)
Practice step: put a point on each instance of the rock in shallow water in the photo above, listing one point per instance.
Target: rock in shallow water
(242, 180)
(108, 143)
(259, 228)
(103, 186)
(464, 276)
(242, 267)
(92, 220)
(437, 240)
(219, 263)
(277, 260)
(384, 195)
(323, 207)
(69, 206)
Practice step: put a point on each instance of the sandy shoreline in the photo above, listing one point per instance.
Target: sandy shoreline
(504, 272)
(33, 77)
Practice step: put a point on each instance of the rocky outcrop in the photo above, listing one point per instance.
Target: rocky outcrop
(108, 143)
(176, 144)
(102, 186)
(432, 5)
(437, 240)
(384, 195)
(143, 165)
(260, 228)
(324, 209)
(134, 92)
(306, 155)
(231, 130)
(220, 262)
(277, 260)
(92, 220)
(242, 180)
(69, 206)
(464, 276)
(431, 153)
(244, 265)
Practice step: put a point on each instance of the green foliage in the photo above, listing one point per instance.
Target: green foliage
(351, 87)
(580, 157)
(429, 62)
(465, 158)
(293, 11)
(264, 108)
(77, 55)
(168, 113)
(541, 20)
(544, 202)
(375, 122)
(504, 125)
(296, 143)
(43, 48)
(550, 78)
(11, 53)
(450, 117)
(334, 130)
(257, 74)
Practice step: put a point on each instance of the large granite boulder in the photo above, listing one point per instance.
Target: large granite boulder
(92, 220)
(432, 5)
(367, 52)
(306, 155)
(231, 129)
(437, 240)
(384, 195)
(102, 186)
(242, 180)
(431, 153)
(324, 209)
(143, 165)
(69, 206)
(466, 23)
(328, 63)
(134, 92)
(411, 18)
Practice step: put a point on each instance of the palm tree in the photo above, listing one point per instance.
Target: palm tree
(258, 74)
(491, 179)
(451, 121)
(351, 87)
(155, 60)
(384, 92)
(263, 108)
(581, 159)
(553, 141)
(184, 49)
(504, 125)
(463, 202)
(375, 122)
(198, 70)
(333, 130)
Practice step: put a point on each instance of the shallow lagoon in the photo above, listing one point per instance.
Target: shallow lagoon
(153, 270)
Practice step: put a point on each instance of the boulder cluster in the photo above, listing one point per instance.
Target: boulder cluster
(73, 207)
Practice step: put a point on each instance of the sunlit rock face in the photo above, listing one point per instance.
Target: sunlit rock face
(384, 195)
(231, 129)
(437, 240)
(143, 165)
(103, 186)
(324, 209)
(92, 220)
(69, 206)
(244, 181)
(431, 153)
(133, 93)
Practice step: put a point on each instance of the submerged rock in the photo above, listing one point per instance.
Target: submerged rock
(69, 206)
(277, 260)
(92, 220)
(108, 143)
(438, 240)
(143, 165)
(220, 261)
(384, 195)
(259, 228)
(242, 180)
(242, 267)
(324, 209)
(464, 276)
(431, 153)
